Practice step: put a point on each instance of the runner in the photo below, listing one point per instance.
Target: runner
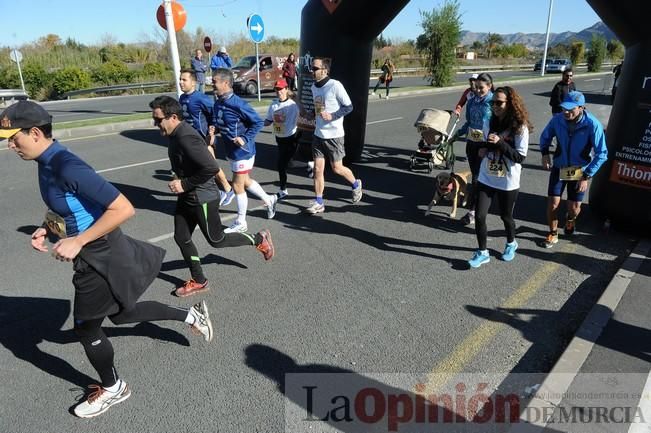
(198, 195)
(111, 270)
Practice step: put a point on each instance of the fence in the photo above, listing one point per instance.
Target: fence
(141, 86)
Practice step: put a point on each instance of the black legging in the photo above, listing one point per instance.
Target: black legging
(387, 83)
(506, 202)
(97, 346)
(286, 150)
(206, 216)
(474, 161)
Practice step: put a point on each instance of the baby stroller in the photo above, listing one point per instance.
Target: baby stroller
(435, 147)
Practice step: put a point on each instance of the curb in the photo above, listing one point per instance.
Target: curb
(568, 365)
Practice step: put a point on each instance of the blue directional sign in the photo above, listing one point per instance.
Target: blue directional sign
(256, 28)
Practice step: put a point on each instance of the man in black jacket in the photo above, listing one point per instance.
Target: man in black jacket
(198, 196)
(560, 91)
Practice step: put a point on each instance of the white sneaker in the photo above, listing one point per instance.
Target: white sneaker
(315, 208)
(100, 400)
(271, 209)
(282, 194)
(357, 192)
(202, 323)
(373, 93)
(386, 97)
(237, 227)
(225, 198)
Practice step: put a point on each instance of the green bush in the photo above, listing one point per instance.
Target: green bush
(70, 78)
(9, 78)
(112, 72)
(153, 70)
(597, 53)
(38, 82)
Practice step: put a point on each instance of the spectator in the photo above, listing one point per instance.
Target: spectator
(199, 68)
(388, 68)
(289, 72)
(560, 91)
(221, 60)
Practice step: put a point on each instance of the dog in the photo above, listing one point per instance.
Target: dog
(453, 187)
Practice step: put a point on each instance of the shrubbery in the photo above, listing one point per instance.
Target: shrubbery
(70, 78)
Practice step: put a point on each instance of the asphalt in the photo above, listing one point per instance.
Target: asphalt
(611, 340)
(606, 365)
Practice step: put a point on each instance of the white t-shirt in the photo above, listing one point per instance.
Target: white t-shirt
(330, 98)
(502, 173)
(283, 115)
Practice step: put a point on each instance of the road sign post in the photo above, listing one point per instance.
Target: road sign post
(17, 56)
(255, 26)
(207, 44)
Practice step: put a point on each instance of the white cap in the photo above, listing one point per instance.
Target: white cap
(222, 49)
(473, 77)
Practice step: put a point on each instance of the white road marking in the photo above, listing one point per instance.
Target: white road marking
(154, 161)
(384, 120)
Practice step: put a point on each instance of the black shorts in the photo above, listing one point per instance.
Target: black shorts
(93, 296)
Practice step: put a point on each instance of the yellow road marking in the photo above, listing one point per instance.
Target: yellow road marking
(465, 351)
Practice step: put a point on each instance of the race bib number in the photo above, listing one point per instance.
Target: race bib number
(279, 122)
(571, 173)
(56, 224)
(475, 134)
(496, 168)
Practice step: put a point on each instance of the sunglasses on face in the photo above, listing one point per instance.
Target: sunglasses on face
(316, 68)
(158, 120)
(497, 103)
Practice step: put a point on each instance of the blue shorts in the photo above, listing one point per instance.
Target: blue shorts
(557, 186)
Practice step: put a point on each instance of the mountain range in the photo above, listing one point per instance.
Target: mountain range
(537, 40)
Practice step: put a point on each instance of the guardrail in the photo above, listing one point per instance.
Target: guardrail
(12, 95)
(141, 86)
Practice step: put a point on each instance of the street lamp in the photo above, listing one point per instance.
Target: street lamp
(549, 25)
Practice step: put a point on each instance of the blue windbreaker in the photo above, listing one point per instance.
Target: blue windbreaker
(234, 117)
(574, 149)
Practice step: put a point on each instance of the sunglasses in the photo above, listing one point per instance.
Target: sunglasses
(316, 68)
(158, 120)
(498, 103)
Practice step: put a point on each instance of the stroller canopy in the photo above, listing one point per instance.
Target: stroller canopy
(434, 119)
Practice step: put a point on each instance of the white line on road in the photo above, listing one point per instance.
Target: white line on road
(132, 165)
(384, 120)
(592, 79)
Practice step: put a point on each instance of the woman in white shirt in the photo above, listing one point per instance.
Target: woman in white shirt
(507, 142)
(283, 113)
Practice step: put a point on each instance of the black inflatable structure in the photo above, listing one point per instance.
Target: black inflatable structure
(343, 31)
(621, 190)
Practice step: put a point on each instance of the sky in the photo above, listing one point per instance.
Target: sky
(89, 21)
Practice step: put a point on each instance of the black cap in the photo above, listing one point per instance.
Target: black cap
(22, 115)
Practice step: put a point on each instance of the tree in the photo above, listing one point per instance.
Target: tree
(597, 53)
(442, 33)
(577, 51)
(49, 41)
(615, 50)
(493, 40)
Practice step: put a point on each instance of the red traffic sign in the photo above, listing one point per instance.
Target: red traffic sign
(207, 44)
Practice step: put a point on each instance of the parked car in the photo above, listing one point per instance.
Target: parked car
(559, 65)
(246, 76)
(538, 64)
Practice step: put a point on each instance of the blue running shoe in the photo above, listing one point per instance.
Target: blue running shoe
(226, 198)
(509, 251)
(479, 258)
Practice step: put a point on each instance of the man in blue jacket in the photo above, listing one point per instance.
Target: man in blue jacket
(221, 60)
(238, 124)
(578, 134)
(199, 68)
(197, 111)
